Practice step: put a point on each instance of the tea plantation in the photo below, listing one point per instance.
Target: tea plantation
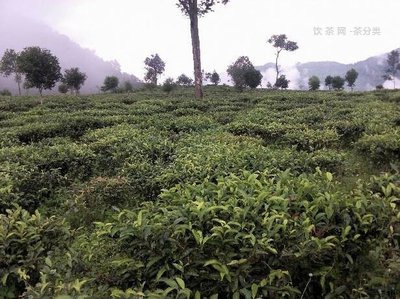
(263, 194)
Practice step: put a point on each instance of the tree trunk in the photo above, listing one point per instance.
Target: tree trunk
(19, 88)
(18, 79)
(277, 66)
(194, 30)
(41, 96)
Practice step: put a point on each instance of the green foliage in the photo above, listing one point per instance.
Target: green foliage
(314, 83)
(9, 65)
(74, 79)
(253, 78)
(281, 43)
(169, 85)
(393, 66)
(164, 196)
(213, 77)
(282, 82)
(351, 78)
(256, 233)
(155, 66)
(244, 74)
(328, 82)
(5, 92)
(40, 68)
(184, 80)
(63, 88)
(26, 243)
(381, 147)
(110, 84)
(338, 83)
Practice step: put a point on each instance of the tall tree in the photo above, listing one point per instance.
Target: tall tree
(328, 82)
(9, 65)
(351, 78)
(393, 62)
(155, 66)
(74, 79)
(193, 9)
(281, 43)
(40, 67)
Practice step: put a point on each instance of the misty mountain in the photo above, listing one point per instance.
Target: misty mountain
(17, 33)
(370, 72)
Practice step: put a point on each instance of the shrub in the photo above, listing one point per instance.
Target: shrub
(26, 242)
(63, 88)
(382, 147)
(257, 233)
(5, 92)
(169, 85)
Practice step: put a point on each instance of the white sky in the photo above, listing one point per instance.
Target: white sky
(130, 30)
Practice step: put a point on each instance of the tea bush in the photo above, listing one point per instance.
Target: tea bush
(262, 194)
(26, 242)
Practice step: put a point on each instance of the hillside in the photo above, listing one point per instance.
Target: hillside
(70, 54)
(260, 194)
(370, 71)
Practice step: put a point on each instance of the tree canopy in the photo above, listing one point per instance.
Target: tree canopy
(74, 79)
(155, 66)
(351, 78)
(41, 68)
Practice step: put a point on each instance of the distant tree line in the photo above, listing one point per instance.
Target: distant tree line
(336, 82)
(35, 67)
(39, 68)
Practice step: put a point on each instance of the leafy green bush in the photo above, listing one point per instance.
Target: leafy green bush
(26, 242)
(36, 172)
(256, 235)
(381, 148)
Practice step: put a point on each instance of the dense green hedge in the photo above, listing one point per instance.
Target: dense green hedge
(266, 194)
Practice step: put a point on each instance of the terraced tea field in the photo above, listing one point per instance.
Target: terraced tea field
(265, 194)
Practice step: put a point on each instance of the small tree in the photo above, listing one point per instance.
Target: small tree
(169, 85)
(74, 79)
(5, 92)
(193, 9)
(184, 80)
(215, 78)
(238, 70)
(393, 62)
(281, 43)
(314, 83)
(128, 86)
(351, 78)
(338, 82)
(9, 65)
(328, 82)
(110, 84)
(63, 88)
(253, 78)
(282, 82)
(155, 66)
(41, 68)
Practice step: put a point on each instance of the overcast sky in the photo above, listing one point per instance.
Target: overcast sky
(130, 30)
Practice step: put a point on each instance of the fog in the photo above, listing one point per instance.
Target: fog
(129, 30)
